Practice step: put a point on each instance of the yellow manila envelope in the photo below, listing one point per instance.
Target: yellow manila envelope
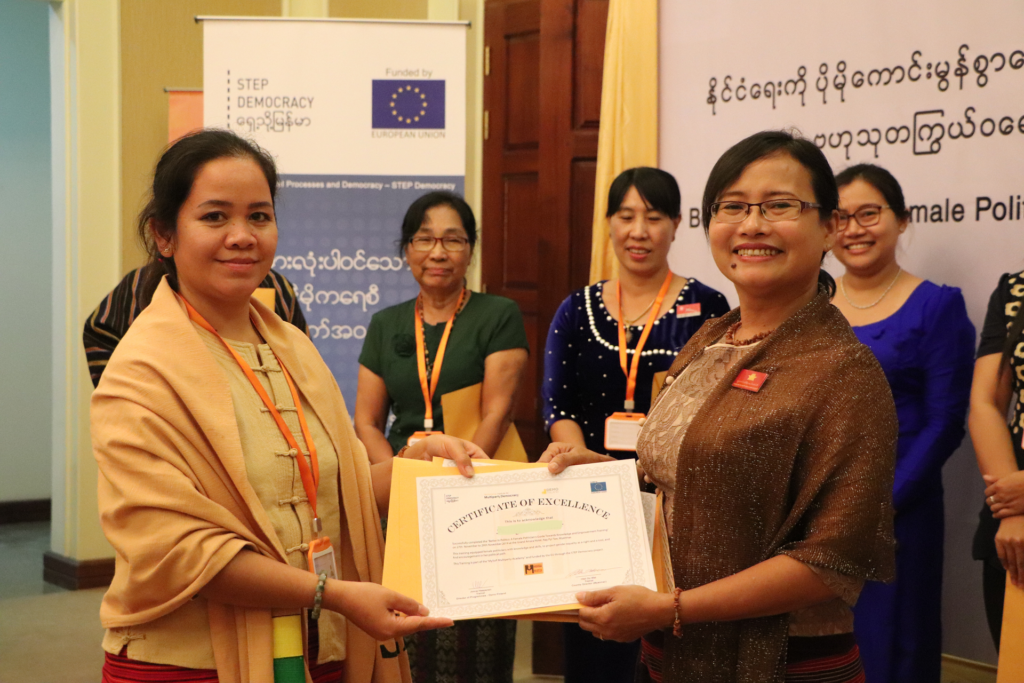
(1011, 659)
(657, 382)
(265, 295)
(462, 417)
(660, 552)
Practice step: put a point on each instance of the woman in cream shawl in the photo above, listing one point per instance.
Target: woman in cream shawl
(773, 441)
(199, 492)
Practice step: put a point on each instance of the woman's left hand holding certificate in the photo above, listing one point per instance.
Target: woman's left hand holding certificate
(624, 613)
(448, 447)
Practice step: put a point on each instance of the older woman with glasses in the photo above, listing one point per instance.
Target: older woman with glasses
(772, 442)
(920, 333)
(445, 339)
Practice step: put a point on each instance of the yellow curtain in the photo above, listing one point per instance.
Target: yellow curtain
(629, 112)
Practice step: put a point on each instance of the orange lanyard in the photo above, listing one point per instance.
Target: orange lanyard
(631, 370)
(310, 476)
(421, 359)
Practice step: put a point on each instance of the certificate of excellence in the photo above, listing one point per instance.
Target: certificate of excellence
(524, 539)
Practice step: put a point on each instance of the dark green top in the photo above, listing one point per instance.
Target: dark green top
(486, 324)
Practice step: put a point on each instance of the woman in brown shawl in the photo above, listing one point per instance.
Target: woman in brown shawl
(773, 442)
(227, 458)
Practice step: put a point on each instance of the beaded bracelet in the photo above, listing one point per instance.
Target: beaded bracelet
(677, 625)
(319, 598)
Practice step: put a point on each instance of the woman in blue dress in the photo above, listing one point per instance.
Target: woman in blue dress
(920, 333)
(584, 382)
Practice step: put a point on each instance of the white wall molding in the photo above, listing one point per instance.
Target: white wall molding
(86, 155)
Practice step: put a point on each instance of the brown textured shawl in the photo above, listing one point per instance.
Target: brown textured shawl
(802, 468)
(175, 500)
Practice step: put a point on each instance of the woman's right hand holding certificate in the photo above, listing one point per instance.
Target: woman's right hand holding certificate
(380, 612)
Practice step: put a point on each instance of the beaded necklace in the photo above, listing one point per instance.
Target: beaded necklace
(730, 335)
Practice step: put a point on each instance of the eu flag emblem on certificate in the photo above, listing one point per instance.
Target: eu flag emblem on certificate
(408, 104)
(598, 486)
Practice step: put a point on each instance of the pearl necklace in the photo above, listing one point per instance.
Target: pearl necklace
(842, 288)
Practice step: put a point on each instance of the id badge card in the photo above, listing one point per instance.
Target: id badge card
(687, 310)
(419, 436)
(621, 431)
(321, 558)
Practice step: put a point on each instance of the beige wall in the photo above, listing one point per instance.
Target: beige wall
(379, 9)
(161, 46)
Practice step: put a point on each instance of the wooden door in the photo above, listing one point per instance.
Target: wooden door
(542, 95)
(540, 159)
(510, 188)
(572, 50)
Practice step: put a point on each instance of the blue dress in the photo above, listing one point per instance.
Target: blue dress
(584, 382)
(926, 349)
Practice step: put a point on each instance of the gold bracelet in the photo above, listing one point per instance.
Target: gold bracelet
(677, 625)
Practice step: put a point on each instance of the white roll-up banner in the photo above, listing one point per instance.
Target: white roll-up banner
(930, 90)
(362, 118)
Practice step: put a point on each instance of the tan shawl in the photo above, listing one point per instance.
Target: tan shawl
(802, 468)
(175, 500)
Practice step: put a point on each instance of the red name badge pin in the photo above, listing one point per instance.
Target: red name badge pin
(750, 380)
(687, 310)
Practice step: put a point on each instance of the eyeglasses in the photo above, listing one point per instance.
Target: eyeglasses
(422, 243)
(866, 216)
(773, 210)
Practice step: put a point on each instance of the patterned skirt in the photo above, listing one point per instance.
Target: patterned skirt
(821, 659)
(472, 651)
(120, 669)
(824, 659)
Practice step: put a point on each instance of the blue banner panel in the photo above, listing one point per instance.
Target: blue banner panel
(338, 244)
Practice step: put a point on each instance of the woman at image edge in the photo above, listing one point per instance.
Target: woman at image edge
(199, 492)
(998, 373)
(920, 334)
(583, 380)
(778, 501)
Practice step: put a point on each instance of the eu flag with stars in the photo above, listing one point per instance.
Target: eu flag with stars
(408, 104)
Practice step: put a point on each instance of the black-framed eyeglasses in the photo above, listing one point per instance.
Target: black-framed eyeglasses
(423, 243)
(866, 216)
(773, 210)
